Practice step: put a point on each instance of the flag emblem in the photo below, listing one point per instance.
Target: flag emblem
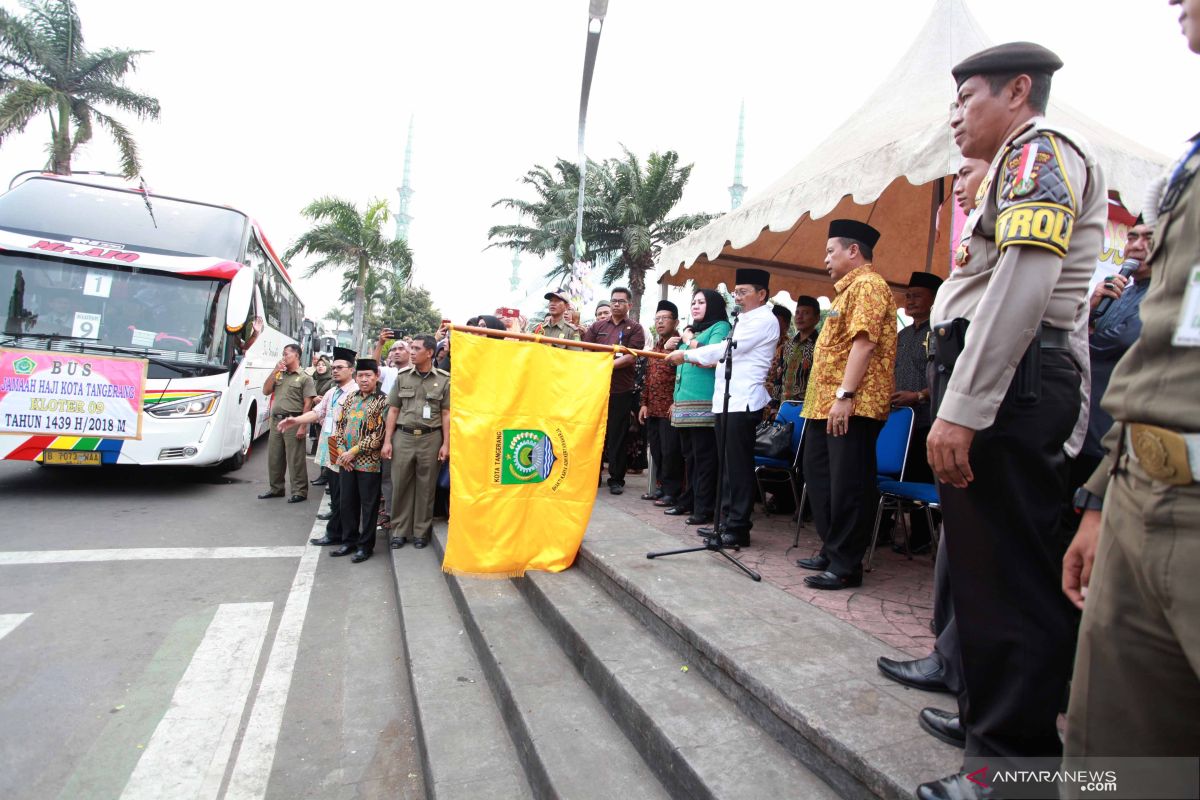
(524, 457)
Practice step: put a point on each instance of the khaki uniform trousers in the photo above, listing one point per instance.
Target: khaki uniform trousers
(1136, 685)
(284, 450)
(414, 483)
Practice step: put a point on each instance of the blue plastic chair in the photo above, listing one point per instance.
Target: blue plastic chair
(777, 469)
(891, 456)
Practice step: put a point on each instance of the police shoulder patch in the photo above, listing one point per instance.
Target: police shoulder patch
(1035, 199)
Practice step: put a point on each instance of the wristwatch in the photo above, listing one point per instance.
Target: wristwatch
(844, 394)
(1086, 501)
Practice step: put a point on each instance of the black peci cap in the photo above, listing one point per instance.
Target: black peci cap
(753, 277)
(667, 305)
(344, 354)
(925, 280)
(853, 229)
(1013, 57)
(366, 365)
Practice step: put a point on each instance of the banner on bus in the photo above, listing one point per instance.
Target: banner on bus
(71, 394)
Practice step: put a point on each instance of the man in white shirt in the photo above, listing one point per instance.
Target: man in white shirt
(755, 333)
(326, 413)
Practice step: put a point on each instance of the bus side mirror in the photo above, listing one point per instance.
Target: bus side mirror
(241, 295)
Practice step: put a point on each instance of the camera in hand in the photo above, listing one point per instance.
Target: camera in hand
(1130, 266)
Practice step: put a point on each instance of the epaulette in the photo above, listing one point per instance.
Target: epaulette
(440, 371)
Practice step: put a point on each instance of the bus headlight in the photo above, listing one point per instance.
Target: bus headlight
(199, 406)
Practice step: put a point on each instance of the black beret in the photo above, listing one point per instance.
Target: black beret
(853, 229)
(753, 277)
(925, 280)
(344, 354)
(366, 365)
(810, 301)
(1013, 57)
(667, 305)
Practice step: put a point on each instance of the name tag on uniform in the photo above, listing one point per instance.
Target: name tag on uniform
(1187, 333)
(426, 412)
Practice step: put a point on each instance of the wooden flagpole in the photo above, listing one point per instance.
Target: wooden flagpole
(531, 337)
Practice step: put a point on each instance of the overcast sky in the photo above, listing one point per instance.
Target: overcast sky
(268, 105)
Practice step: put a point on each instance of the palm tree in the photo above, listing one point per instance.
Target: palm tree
(343, 236)
(634, 223)
(339, 317)
(45, 68)
(548, 222)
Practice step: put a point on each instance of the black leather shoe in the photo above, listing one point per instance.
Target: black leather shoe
(344, 550)
(269, 495)
(325, 516)
(926, 673)
(666, 501)
(943, 725)
(616, 488)
(656, 494)
(297, 498)
(953, 787)
(677, 512)
(828, 580)
(420, 543)
(397, 542)
(700, 519)
(324, 541)
(817, 563)
(359, 556)
(710, 530)
(735, 539)
(319, 481)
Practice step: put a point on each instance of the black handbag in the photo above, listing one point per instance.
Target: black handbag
(773, 440)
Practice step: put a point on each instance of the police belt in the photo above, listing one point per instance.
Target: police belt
(948, 339)
(1165, 455)
(416, 431)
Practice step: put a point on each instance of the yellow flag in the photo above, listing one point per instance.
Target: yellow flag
(526, 439)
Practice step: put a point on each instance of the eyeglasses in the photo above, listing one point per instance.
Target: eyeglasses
(744, 292)
(619, 302)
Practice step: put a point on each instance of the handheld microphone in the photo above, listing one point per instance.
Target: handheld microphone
(735, 313)
(1130, 266)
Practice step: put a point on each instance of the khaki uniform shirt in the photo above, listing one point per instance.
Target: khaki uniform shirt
(1157, 382)
(291, 391)
(1025, 259)
(412, 392)
(556, 330)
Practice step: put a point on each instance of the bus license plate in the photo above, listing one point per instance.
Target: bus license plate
(74, 458)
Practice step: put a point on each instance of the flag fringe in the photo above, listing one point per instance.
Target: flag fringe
(487, 576)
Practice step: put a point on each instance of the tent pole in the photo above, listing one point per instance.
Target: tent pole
(937, 198)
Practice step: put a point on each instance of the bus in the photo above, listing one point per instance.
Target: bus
(193, 289)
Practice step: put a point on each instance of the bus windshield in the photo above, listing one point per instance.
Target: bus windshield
(60, 209)
(174, 320)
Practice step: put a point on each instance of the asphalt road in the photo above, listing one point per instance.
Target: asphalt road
(165, 634)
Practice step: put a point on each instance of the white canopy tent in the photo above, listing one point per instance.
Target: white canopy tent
(890, 164)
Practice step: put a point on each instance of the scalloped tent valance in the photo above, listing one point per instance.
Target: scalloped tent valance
(889, 164)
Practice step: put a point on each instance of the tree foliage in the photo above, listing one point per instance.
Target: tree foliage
(626, 215)
(45, 68)
(344, 237)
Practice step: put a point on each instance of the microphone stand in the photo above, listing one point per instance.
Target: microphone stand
(713, 543)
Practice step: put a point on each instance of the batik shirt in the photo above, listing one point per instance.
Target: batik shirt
(360, 428)
(864, 304)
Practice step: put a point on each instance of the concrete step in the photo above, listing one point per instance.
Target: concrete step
(465, 747)
(806, 678)
(694, 737)
(568, 743)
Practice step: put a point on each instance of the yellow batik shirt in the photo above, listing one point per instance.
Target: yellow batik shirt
(864, 304)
